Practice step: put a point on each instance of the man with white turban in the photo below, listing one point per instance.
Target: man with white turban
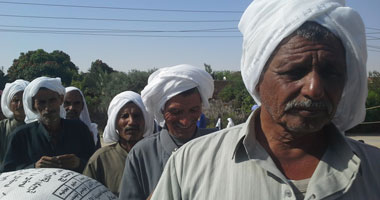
(128, 121)
(174, 95)
(75, 106)
(48, 140)
(305, 63)
(11, 106)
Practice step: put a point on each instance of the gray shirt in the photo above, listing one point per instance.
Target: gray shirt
(145, 163)
(231, 164)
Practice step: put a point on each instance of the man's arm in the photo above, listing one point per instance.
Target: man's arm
(168, 187)
(131, 185)
(16, 156)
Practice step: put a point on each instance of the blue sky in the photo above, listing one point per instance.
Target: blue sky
(124, 53)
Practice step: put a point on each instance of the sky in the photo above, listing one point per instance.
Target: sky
(116, 37)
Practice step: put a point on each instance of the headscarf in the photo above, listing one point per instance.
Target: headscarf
(266, 23)
(31, 90)
(110, 134)
(167, 82)
(84, 115)
(8, 93)
(230, 123)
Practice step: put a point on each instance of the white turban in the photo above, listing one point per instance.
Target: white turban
(110, 134)
(84, 115)
(167, 82)
(8, 93)
(266, 23)
(31, 90)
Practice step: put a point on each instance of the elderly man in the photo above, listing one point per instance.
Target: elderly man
(305, 62)
(12, 108)
(76, 108)
(48, 141)
(128, 121)
(174, 95)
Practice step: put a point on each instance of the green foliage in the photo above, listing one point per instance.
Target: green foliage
(236, 93)
(373, 98)
(3, 79)
(99, 67)
(38, 63)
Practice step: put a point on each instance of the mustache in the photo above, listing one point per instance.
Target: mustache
(131, 128)
(309, 104)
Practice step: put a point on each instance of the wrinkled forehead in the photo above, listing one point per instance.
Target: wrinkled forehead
(130, 107)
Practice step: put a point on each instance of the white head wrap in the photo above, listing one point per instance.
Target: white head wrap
(84, 115)
(110, 134)
(167, 82)
(8, 93)
(31, 90)
(266, 23)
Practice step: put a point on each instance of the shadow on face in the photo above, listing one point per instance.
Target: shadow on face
(130, 123)
(47, 103)
(73, 104)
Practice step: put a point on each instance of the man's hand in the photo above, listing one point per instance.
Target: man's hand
(48, 162)
(69, 161)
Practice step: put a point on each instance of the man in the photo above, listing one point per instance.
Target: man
(127, 122)
(304, 61)
(174, 95)
(11, 106)
(76, 108)
(48, 141)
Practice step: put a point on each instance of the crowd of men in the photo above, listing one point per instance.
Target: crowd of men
(303, 62)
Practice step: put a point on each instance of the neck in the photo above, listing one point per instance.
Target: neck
(295, 154)
(52, 126)
(127, 146)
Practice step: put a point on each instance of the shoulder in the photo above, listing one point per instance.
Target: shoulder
(365, 152)
(104, 151)
(146, 142)
(213, 144)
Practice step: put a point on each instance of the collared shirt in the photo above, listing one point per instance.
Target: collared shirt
(6, 127)
(145, 163)
(231, 164)
(107, 166)
(32, 141)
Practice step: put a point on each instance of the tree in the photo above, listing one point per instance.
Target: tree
(3, 79)
(38, 63)
(100, 67)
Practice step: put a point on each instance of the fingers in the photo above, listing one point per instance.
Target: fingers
(48, 162)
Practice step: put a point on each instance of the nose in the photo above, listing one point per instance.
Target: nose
(314, 86)
(186, 121)
(132, 120)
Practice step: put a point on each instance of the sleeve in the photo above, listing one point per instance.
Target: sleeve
(131, 185)
(16, 156)
(92, 169)
(168, 186)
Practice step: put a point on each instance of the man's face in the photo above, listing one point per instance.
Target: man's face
(303, 84)
(130, 123)
(181, 114)
(47, 103)
(73, 104)
(16, 106)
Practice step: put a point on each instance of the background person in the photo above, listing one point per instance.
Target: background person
(76, 108)
(174, 95)
(12, 108)
(48, 140)
(128, 121)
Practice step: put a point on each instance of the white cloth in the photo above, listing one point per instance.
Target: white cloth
(230, 123)
(31, 90)
(51, 184)
(167, 82)
(110, 134)
(219, 124)
(8, 93)
(265, 23)
(84, 115)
